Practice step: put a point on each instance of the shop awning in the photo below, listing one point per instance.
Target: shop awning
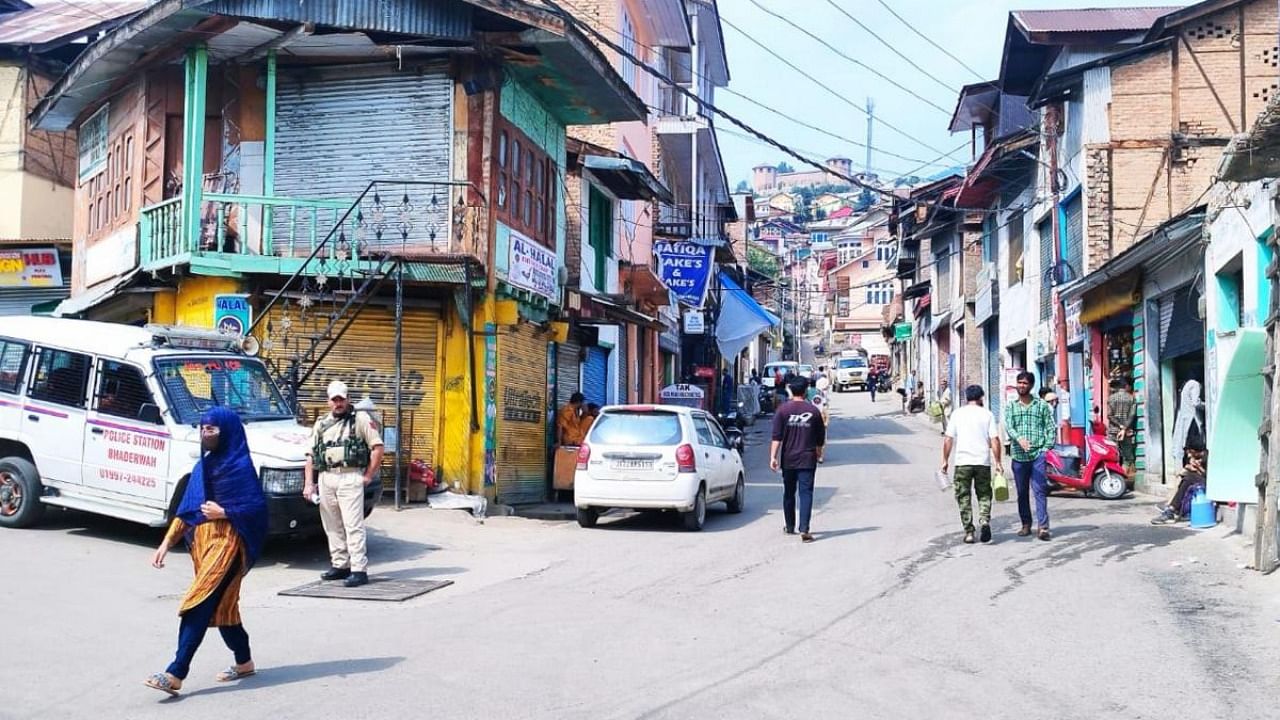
(1117, 296)
(597, 310)
(940, 322)
(626, 178)
(741, 319)
(918, 290)
(77, 304)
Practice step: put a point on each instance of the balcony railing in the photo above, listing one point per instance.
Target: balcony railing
(674, 221)
(275, 234)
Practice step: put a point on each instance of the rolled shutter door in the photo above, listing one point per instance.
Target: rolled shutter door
(332, 140)
(624, 368)
(1181, 331)
(19, 301)
(595, 376)
(1075, 239)
(568, 371)
(365, 359)
(522, 417)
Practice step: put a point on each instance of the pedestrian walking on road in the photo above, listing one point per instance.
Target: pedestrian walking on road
(799, 437)
(873, 382)
(974, 436)
(1031, 430)
(223, 519)
(346, 450)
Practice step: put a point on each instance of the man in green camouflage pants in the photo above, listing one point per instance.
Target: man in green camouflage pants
(975, 437)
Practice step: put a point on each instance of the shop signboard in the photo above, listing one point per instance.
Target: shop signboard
(685, 268)
(682, 394)
(902, 332)
(30, 268)
(232, 314)
(1075, 331)
(695, 323)
(532, 267)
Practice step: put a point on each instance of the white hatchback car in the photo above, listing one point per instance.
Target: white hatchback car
(658, 457)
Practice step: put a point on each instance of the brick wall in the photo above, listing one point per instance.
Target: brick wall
(1097, 168)
(1142, 98)
(573, 227)
(971, 261)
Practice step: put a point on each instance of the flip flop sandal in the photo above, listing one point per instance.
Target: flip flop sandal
(163, 683)
(232, 674)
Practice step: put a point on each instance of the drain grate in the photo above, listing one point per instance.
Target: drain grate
(379, 589)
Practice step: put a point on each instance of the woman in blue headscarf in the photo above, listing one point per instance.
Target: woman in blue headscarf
(223, 518)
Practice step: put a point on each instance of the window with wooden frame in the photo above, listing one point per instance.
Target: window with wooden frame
(110, 191)
(526, 185)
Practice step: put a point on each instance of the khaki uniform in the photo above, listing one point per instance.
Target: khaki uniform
(342, 491)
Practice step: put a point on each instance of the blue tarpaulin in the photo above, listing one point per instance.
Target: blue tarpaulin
(741, 318)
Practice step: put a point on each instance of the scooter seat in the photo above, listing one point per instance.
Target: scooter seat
(1067, 451)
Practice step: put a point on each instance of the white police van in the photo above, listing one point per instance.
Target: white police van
(104, 418)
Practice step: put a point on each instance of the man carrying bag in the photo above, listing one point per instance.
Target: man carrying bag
(974, 435)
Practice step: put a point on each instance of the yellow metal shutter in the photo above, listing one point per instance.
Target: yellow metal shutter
(522, 416)
(365, 359)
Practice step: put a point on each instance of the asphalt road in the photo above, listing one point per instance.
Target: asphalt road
(887, 615)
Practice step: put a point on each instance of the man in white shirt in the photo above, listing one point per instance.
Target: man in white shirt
(1064, 411)
(974, 435)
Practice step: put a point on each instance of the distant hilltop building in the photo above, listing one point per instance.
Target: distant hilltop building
(766, 177)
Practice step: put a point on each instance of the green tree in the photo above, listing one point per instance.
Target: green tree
(762, 261)
(785, 167)
(742, 187)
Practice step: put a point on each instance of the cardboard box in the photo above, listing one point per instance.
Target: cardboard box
(566, 465)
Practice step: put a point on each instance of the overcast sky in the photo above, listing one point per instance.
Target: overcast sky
(972, 30)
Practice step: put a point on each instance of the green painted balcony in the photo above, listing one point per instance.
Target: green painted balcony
(239, 235)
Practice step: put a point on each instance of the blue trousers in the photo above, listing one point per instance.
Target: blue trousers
(195, 622)
(797, 482)
(1030, 481)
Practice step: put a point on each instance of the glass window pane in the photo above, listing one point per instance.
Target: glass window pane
(60, 378)
(122, 392)
(13, 358)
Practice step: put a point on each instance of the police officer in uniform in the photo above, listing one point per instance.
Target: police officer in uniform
(346, 450)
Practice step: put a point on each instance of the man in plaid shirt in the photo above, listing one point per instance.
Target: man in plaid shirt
(1032, 432)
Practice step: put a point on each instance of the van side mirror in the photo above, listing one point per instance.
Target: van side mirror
(150, 413)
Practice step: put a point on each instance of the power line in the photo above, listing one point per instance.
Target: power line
(774, 110)
(853, 60)
(906, 58)
(838, 95)
(929, 40)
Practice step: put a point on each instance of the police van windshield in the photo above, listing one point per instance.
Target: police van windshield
(195, 384)
(852, 362)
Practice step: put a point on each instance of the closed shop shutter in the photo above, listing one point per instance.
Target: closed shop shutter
(18, 301)
(365, 359)
(624, 365)
(595, 376)
(522, 417)
(334, 135)
(568, 371)
(1181, 331)
(995, 393)
(1075, 238)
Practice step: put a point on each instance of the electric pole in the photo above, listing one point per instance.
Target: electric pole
(1053, 125)
(871, 121)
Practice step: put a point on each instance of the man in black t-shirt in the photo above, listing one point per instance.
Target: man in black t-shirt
(799, 435)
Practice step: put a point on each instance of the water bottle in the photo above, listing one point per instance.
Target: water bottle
(944, 482)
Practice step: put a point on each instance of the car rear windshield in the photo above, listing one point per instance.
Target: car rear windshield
(852, 362)
(637, 428)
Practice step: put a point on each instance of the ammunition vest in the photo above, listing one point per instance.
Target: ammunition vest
(355, 451)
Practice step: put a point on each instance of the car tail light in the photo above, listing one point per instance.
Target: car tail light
(685, 461)
(584, 454)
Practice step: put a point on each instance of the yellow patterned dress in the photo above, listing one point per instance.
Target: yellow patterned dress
(215, 548)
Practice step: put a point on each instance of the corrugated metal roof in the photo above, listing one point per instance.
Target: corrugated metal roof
(1091, 19)
(54, 21)
(450, 20)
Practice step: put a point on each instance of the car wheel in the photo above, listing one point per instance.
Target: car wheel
(695, 518)
(1108, 485)
(587, 517)
(739, 499)
(20, 492)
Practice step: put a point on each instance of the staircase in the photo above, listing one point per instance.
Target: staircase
(366, 248)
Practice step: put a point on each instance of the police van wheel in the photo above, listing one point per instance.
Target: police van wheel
(20, 491)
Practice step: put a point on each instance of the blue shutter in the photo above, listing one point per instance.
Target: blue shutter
(595, 376)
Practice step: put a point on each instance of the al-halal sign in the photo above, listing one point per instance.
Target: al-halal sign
(684, 267)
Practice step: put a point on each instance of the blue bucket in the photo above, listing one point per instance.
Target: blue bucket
(1203, 512)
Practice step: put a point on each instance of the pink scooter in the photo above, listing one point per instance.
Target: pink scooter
(1101, 474)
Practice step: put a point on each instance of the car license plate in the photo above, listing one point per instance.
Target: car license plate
(632, 464)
